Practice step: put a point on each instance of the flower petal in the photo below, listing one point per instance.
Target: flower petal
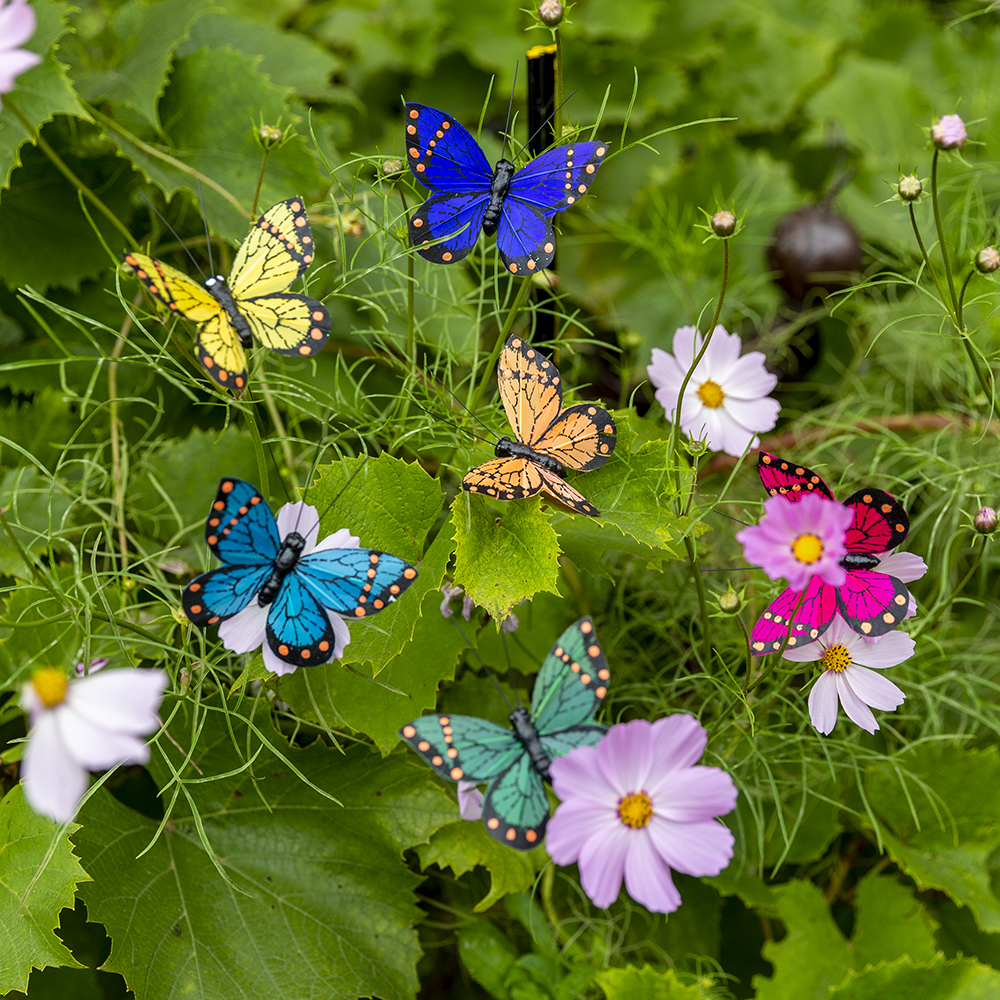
(687, 343)
(12, 65)
(301, 518)
(275, 664)
(94, 747)
(824, 702)
(647, 877)
(874, 689)
(470, 800)
(574, 823)
(340, 539)
(694, 794)
(576, 775)
(625, 756)
(722, 355)
(341, 635)
(905, 566)
(602, 864)
(857, 711)
(123, 701)
(678, 741)
(891, 650)
(53, 781)
(755, 415)
(17, 25)
(246, 630)
(693, 848)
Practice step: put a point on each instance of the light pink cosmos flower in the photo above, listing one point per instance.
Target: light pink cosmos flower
(726, 400)
(17, 25)
(470, 800)
(247, 629)
(799, 540)
(636, 805)
(948, 132)
(86, 724)
(847, 679)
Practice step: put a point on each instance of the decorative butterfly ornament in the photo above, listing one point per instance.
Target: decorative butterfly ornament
(254, 302)
(872, 603)
(570, 686)
(299, 589)
(549, 438)
(517, 205)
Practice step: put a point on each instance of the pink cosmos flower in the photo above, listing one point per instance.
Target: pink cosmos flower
(247, 629)
(636, 806)
(847, 680)
(17, 25)
(470, 800)
(726, 399)
(86, 724)
(948, 132)
(799, 540)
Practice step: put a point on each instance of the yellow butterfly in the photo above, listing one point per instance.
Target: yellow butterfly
(254, 302)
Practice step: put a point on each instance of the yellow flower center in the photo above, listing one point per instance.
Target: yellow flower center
(807, 548)
(711, 394)
(836, 658)
(635, 810)
(50, 686)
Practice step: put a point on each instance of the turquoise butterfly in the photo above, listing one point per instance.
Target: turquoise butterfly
(571, 684)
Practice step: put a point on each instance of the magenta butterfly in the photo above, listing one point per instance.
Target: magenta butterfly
(871, 603)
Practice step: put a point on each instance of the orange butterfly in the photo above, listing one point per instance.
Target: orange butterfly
(549, 438)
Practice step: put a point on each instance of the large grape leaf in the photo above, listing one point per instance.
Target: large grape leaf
(36, 882)
(646, 983)
(324, 906)
(504, 555)
(965, 979)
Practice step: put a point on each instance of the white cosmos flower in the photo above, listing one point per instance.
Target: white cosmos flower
(726, 400)
(850, 678)
(86, 724)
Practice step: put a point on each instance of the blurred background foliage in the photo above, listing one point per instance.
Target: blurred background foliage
(865, 868)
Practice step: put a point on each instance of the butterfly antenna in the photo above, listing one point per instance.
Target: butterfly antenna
(460, 403)
(464, 430)
(731, 518)
(173, 232)
(350, 479)
(548, 118)
(204, 219)
(510, 109)
(482, 663)
(510, 665)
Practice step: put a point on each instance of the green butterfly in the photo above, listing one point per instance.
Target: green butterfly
(571, 684)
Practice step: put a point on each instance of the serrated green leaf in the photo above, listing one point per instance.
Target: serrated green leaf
(955, 794)
(487, 955)
(890, 923)
(646, 983)
(34, 510)
(42, 92)
(39, 428)
(331, 908)
(405, 687)
(144, 37)
(464, 845)
(38, 877)
(750, 888)
(964, 979)
(503, 555)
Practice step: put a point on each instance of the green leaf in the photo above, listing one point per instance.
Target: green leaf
(943, 828)
(487, 955)
(216, 136)
(646, 983)
(42, 633)
(42, 92)
(464, 845)
(812, 956)
(406, 687)
(330, 910)
(940, 980)
(35, 511)
(890, 923)
(503, 555)
(143, 39)
(38, 877)
(39, 428)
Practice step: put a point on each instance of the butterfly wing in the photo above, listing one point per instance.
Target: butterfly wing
(582, 437)
(565, 493)
(289, 324)
(275, 252)
(558, 178)
(558, 744)
(572, 682)
(220, 352)
(872, 603)
(819, 604)
(530, 388)
(525, 237)
(358, 582)
(298, 629)
(241, 528)
(442, 154)
(506, 479)
(792, 481)
(516, 808)
(174, 289)
(880, 523)
(221, 593)
(463, 748)
(459, 217)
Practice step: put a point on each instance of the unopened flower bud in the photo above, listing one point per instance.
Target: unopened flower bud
(723, 223)
(551, 12)
(948, 132)
(987, 260)
(985, 522)
(270, 136)
(909, 187)
(392, 167)
(729, 602)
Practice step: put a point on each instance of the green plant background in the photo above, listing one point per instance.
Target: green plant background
(300, 850)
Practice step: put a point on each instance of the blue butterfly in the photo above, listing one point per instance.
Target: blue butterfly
(517, 205)
(298, 589)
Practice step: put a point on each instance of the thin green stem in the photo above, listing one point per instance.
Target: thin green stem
(961, 298)
(699, 583)
(926, 256)
(515, 308)
(258, 448)
(260, 181)
(60, 165)
(939, 223)
(411, 321)
(558, 98)
(279, 428)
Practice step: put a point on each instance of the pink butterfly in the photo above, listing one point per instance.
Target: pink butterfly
(871, 603)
